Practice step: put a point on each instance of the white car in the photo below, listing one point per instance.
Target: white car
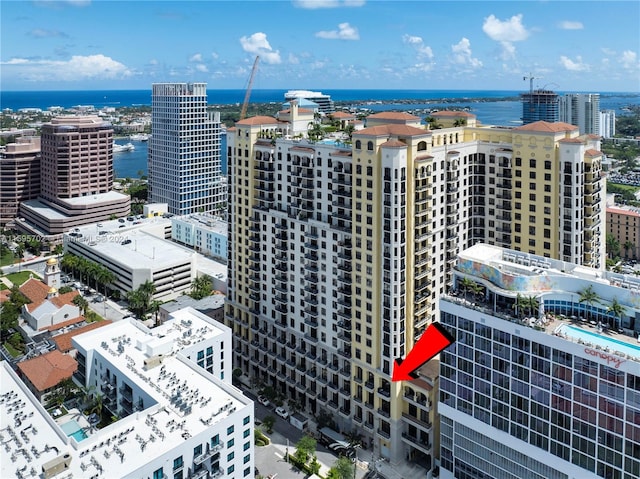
(282, 412)
(264, 401)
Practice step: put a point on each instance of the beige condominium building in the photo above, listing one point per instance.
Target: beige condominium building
(19, 176)
(338, 253)
(623, 224)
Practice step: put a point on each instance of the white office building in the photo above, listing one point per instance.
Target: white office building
(608, 123)
(170, 387)
(324, 102)
(184, 149)
(581, 110)
(543, 381)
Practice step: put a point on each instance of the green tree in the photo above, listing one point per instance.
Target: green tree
(58, 249)
(268, 422)
(343, 468)
(201, 287)
(589, 296)
(305, 448)
(612, 246)
(81, 303)
(466, 285)
(629, 245)
(618, 311)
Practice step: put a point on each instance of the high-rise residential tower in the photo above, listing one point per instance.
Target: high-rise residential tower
(581, 110)
(76, 177)
(539, 105)
(184, 149)
(607, 124)
(543, 381)
(338, 253)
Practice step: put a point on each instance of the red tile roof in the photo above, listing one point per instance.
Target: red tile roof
(63, 324)
(545, 126)
(37, 291)
(592, 152)
(399, 130)
(63, 341)
(621, 211)
(4, 295)
(394, 144)
(340, 115)
(258, 120)
(47, 370)
(394, 115)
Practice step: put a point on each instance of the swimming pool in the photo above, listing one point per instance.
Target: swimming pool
(74, 430)
(602, 341)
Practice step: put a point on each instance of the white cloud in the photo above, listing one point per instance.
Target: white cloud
(506, 32)
(62, 3)
(202, 68)
(214, 55)
(258, 44)
(344, 32)
(294, 60)
(417, 43)
(196, 58)
(511, 30)
(77, 68)
(570, 25)
(462, 54)
(153, 61)
(574, 66)
(317, 4)
(629, 60)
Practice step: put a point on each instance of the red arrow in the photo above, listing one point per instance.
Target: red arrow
(432, 341)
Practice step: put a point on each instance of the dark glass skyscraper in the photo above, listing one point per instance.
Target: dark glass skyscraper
(539, 105)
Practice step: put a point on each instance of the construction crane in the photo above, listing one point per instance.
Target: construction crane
(245, 103)
(531, 78)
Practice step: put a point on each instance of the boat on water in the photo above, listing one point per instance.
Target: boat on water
(139, 137)
(120, 148)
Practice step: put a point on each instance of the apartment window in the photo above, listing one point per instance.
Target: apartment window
(230, 429)
(532, 196)
(532, 230)
(246, 433)
(532, 175)
(518, 161)
(197, 450)
(230, 469)
(230, 443)
(246, 446)
(547, 177)
(158, 474)
(177, 463)
(246, 420)
(547, 165)
(230, 456)
(532, 208)
(532, 163)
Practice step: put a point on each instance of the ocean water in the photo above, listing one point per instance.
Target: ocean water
(119, 98)
(127, 164)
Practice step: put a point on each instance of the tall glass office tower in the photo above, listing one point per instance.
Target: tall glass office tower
(184, 150)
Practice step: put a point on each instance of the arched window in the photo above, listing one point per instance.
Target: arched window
(370, 145)
(422, 146)
(358, 144)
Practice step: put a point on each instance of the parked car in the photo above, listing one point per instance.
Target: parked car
(282, 412)
(264, 401)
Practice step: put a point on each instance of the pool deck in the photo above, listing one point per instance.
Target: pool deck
(75, 415)
(550, 323)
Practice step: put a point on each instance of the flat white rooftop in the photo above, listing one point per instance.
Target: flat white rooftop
(134, 248)
(211, 223)
(30, 437)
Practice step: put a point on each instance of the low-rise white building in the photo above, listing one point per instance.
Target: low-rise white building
(171, 388)
(205, 233)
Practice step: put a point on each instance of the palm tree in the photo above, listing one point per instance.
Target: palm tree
(532, 304)
(466, 285)
(108, 278)
(589, 296)
(612, 246)
(617, 310)
(519, 305)
(81, 303)
(628, 245)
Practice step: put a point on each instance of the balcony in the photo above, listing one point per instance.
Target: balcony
(384, 392)
(206, 455)
(426, 426)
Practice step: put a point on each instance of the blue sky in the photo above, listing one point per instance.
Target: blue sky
(316, 44)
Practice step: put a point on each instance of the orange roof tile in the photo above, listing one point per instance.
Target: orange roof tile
(37, 291)
(399, 130)
(258, 120)
(394, 115)
(341, 115)
(63, 324)
(592, 152)
(621, 211)
(394, 144)
(546, 127)
(452, 114)
(63, 341)
(4, 295)
(47, 370)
